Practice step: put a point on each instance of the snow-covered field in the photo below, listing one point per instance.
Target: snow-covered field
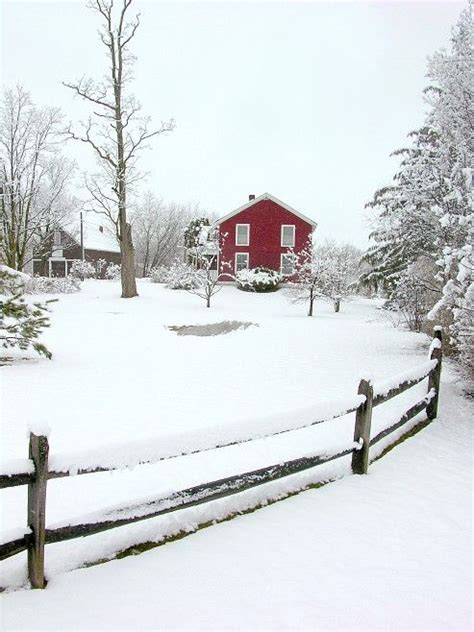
(386, 551)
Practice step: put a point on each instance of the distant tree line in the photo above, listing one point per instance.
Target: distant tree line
(35, 193)
(161, 231)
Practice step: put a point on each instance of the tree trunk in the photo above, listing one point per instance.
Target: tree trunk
(144, 270)
(337, 304)
(311, 301)
(129, 284)
(146, 257)
(44, 266)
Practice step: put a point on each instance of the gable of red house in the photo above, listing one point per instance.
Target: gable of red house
(260, 233)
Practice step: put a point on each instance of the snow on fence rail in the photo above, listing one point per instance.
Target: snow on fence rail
(35, 471)
(133, 453)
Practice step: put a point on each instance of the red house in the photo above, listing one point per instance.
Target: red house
(263, 232)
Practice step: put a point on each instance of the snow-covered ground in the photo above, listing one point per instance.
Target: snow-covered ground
(386, 551)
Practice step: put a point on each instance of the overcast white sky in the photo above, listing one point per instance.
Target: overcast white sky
(305, 100)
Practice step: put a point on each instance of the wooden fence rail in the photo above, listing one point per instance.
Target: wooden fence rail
(34, 541)
(192, 496)
(24, 478)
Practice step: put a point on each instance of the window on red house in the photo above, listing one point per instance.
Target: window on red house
(241, 261)
(287, 264)
(288, 235)
(242, 232)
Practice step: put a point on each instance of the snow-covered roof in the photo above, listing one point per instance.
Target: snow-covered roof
(266, 196)
(94, 237)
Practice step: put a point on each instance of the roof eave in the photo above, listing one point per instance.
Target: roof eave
(266, 196)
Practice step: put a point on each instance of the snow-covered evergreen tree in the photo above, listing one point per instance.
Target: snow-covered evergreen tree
(193, 234)
(428, 210)
(407, 222)
(21, 323)
(452, 100)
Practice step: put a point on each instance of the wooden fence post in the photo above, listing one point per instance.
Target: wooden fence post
(360, 458)
(38, 453)
(435, 376)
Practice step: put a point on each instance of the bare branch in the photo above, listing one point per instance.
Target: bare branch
(85, 91)
(101, 152)
(135, 26)
(145, 135)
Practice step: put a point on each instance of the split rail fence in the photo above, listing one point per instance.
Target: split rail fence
(38, 535)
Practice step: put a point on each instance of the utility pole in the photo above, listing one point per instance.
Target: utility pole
(82, 238)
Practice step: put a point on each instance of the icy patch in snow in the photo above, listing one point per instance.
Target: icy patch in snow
(211, 329)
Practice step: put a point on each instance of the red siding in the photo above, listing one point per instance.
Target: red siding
(266, 219)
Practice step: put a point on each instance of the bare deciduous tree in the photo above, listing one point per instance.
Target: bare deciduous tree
(158, 230)
(115, 131)
(203, 255)
(33, 178)
(326, 271)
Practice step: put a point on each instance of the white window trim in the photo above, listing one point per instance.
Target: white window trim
(283, 226)
(246, 254)
(287, 254)
(237, 234)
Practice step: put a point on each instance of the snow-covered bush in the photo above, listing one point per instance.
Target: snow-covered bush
(258, 280)
(20, 323)
(53, 285)
(113, 271)
(159, 274)
(181, 276)
(82, 269)
(100, 267)
(12, 281)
